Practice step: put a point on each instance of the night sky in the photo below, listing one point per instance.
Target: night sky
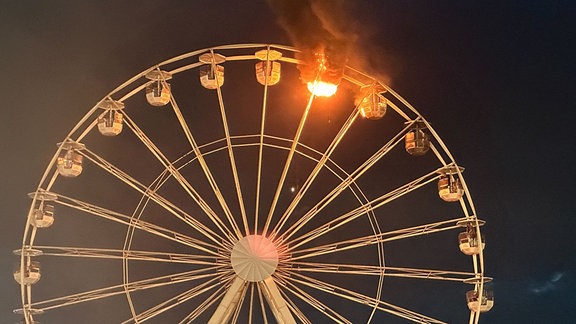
(495, 78)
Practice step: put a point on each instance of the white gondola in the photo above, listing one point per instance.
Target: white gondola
(469, 243)
(158, 91)
(110, 122)
(69, 163)
(480, 304)
(212, 74)
(450, 187)
(268, 70)
(31, 274)
(371, 103)
(417, 141)
(42, 217)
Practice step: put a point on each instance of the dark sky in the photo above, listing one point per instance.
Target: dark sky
(496, 79)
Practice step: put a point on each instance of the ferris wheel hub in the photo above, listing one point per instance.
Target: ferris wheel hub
(254, 258)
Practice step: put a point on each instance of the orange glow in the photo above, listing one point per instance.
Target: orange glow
(322, 89)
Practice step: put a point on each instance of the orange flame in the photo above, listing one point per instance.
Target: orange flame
(322, 89)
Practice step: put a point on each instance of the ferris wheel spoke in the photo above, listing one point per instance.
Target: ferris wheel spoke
(131, 255)
(314, 173)
(209, 301)
(359, 211)
(205, 168)
(363, 241)
(295, 309)
(129, 287)
(344, 184)
(262, 304)
(359, 298)
(371, 270)
(179, 299)
(287, 164)
(314, 302)
(261, 137)
(231, 155)
(138, 224)
(251, 304)
(152, 195)
(175, 173)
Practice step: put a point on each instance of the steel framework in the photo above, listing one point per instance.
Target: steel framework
(163, 206)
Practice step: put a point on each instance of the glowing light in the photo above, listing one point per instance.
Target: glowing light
(322, 89)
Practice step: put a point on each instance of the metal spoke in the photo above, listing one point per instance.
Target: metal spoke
(363, 241)
(261, 146)
(262, 304)
(343, 185)
(131, 255)
(359, 211)
(251, 306)
(175, 173)
(359, 298)
(141, 285)
(204, 305)
(152, 195)
(294, 308)
(312, 176)
(230, 151)
(295, 142)
(205, 168)
(370, 270)
(138, 224)
(179, 299)
(314, 302)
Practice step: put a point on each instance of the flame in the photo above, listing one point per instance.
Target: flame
(322, 89)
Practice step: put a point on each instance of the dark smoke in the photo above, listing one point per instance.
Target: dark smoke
(317, 27)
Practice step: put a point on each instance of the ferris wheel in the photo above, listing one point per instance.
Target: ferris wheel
(214, 187)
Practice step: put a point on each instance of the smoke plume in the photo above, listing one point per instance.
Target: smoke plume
(317, 27)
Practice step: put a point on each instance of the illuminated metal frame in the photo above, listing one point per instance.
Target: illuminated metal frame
(285, 288)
